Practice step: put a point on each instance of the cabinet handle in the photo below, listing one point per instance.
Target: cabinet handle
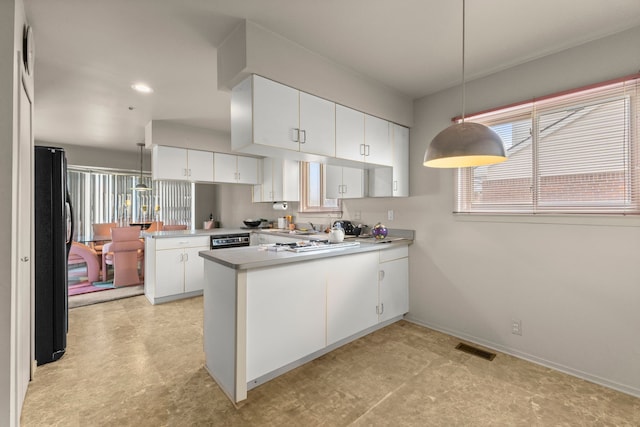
(184, 172)
(186, 258)
(296, 138)
(181, 259)
(24, 259)
(377, 309)
(189, 171)
(395, 185)
(367, 149)
(381, 275)
(381, 308)
(345, 189)
(238, 176)
(362, 149)
(303, 136)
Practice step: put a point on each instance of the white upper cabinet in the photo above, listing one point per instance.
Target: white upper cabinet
(349, 133)
(271, 114)
(181, 164)
(400, 160)
(343, 182)
(275, 114)
(280, 181)
(235, 169)
(247, 170)
(200, 165)
(377, 141)
(362, 137)
(317, 125)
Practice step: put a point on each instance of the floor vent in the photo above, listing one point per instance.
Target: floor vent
(475, 351)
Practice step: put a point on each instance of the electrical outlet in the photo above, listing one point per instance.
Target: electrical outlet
(516, 327)
(357, 215)
(390, 215)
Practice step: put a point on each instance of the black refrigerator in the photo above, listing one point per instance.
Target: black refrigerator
(53, 221)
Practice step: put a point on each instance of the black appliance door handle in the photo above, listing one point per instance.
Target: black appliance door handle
(70, 221)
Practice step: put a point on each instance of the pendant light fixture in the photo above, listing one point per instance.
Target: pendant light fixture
(140, 186)
(464, 144)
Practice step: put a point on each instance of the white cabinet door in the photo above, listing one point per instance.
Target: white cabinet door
(380, 182)
(169, 272)
(200, 165)
(268, 180)
(343, 182)
(352, 295)
(349, 133)
(290, 181)
(169, 163)
(275, 114)
(333, 182)
(352, 183)
(393, 288)
(193, 269)
(247, 170)
(400, 161)
(285, 316)
(378, 148)
(225, 168)
(317, 125)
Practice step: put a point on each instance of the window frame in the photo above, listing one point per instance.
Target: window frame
(626, 88)
(305, 193)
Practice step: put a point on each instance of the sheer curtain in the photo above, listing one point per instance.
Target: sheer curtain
(100, 195)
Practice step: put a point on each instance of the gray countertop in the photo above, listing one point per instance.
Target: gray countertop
(250, 257)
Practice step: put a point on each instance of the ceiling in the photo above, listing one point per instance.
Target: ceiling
(89, 52)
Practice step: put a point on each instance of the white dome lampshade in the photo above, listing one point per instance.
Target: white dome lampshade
(464, 145)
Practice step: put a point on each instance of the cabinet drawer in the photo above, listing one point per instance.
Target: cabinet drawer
(394, 253)
(182, 242)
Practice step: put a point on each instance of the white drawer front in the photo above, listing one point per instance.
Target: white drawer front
(394, 253)
(182, 242)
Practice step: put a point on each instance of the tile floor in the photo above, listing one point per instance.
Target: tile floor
(129, 363)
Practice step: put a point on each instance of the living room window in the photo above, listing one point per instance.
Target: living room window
(576, 152)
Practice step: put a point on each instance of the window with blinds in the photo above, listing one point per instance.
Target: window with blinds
(570, 153)
(100, 195)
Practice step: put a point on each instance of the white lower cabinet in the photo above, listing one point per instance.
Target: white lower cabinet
(285, 316)
(173, 268)
(352, 296)
(393, 283)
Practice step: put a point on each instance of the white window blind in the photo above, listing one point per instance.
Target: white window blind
(571, 153)
(100, 196)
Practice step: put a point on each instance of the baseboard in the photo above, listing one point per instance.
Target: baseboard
(530, 358)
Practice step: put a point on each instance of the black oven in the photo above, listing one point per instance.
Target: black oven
(223, 241)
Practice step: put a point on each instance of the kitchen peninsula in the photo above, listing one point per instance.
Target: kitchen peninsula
(269, 311)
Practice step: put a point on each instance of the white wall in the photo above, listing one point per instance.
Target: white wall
(78, 155)
(573, 282)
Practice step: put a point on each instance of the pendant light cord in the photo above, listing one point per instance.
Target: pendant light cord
(463, 75)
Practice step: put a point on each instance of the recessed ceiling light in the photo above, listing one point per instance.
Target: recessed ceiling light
(141, 87)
